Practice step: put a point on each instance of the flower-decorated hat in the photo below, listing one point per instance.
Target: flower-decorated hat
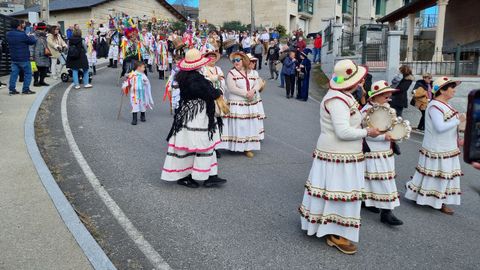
(379, 88)
(193, 60)
(346, 75)
(442, 81)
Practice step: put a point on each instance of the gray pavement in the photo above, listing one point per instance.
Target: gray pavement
(33, 235)
(250, 223)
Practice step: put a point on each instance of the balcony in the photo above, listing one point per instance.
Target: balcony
(305, 7)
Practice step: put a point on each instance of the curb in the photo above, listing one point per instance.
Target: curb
(90, 247)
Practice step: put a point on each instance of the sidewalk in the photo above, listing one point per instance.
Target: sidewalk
(33, 235)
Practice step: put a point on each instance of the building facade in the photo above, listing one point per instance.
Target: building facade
(69, 12)
(309, 15)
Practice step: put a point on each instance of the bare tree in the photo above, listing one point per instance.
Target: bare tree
(183, 4)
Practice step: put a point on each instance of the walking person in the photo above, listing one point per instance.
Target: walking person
(243, 126)
(77, 59)
(304, 75)
(41, 55)
(246, 43)
(422, 94)
(57, 46)
(18, 44)
(258, 51)
(400, 98)
(331, 207)
(195, 132)
(317, 49)
(436, 182)
(289, 70)
(380, 190)
(273, 56)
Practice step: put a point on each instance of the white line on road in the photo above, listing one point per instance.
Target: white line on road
(150, 253)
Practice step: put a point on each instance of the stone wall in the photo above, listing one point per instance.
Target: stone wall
(77, 16)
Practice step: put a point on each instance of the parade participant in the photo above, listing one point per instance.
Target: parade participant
(114, 37)
(147, 43)
(161, 56)
(102, 45)
(203, 46)
(130, 49)
(215, 75)
(273, 55)
(138, 86)
(243, 127)
(195, 132)
(91, 41)
(331, 207)
(303, 82)
(437, 178)
(380, 188)
(172, 90)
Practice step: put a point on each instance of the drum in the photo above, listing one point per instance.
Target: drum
(178, 43)
(401, 129)
(228, 43)
(380, 117)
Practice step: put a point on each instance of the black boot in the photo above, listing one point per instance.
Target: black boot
(188, 182)
(115, 64)
(94, 70)
(134, 119)
(214, 181)
(219, 155)
(110, 64)
(371, 209)
(142, 117)
(387, 217)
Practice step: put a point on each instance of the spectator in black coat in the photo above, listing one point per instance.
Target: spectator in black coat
(77, 58)
(400, 98)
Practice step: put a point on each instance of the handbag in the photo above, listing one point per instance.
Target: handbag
(34, 66)
(412, 101)
(301, 75)
(46, 50)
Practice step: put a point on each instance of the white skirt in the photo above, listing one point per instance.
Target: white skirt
(243, 128)
(380, 190)
(191, 152)
(436, 180)
(332, 199)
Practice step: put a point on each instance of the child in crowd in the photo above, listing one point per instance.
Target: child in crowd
(138, 85)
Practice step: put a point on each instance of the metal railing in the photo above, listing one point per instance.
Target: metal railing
(459, 61)
(329, 37)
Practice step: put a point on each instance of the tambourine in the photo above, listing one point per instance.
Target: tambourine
(401, 129)
(380, 117)
(263, 83)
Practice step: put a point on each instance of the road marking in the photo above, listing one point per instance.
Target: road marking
(314, 99)
(150, 253)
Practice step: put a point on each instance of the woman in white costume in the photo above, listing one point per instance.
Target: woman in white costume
(380, 188)
(332, 199)
(243, 126)
(437, 178)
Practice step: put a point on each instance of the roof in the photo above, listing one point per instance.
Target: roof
(412, 7)
(59, 5)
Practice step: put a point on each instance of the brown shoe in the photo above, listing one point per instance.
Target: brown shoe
(341, 244)
(446, 210)
(249, 154)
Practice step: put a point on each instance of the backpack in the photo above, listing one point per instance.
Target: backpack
(74, 52)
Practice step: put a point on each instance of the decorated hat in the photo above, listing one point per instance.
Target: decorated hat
(442, 81)
(251, 57)
(346, 75)
(241, 55)
(379, 88)
(193, 60)
(212, 54)
(41, 26)
(306, 52)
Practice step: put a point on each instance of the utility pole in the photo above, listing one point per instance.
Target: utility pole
(252, 19)
(45, 11)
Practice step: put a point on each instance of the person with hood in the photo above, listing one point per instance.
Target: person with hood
(400, 99)
(77, 59)
(41, 55)
(303, 81)
(422, 94)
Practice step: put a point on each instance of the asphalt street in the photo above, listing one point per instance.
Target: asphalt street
(250, 223)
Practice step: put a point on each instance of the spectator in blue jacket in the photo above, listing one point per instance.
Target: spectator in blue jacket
(18, 44)
(289, 70)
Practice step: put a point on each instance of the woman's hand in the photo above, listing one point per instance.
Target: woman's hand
(462, 117)
(461, 142)
(373, 132)
(250, 95)
(388, 137)
(476, 165)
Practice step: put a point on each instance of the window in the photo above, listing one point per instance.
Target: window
(347, 6)
(380, 7)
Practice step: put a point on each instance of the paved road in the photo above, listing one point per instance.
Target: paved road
(250, 223)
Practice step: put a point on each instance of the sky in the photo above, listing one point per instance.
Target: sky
(191, 2)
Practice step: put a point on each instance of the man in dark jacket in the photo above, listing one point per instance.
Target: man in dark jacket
(273, 54)
(18, 44)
